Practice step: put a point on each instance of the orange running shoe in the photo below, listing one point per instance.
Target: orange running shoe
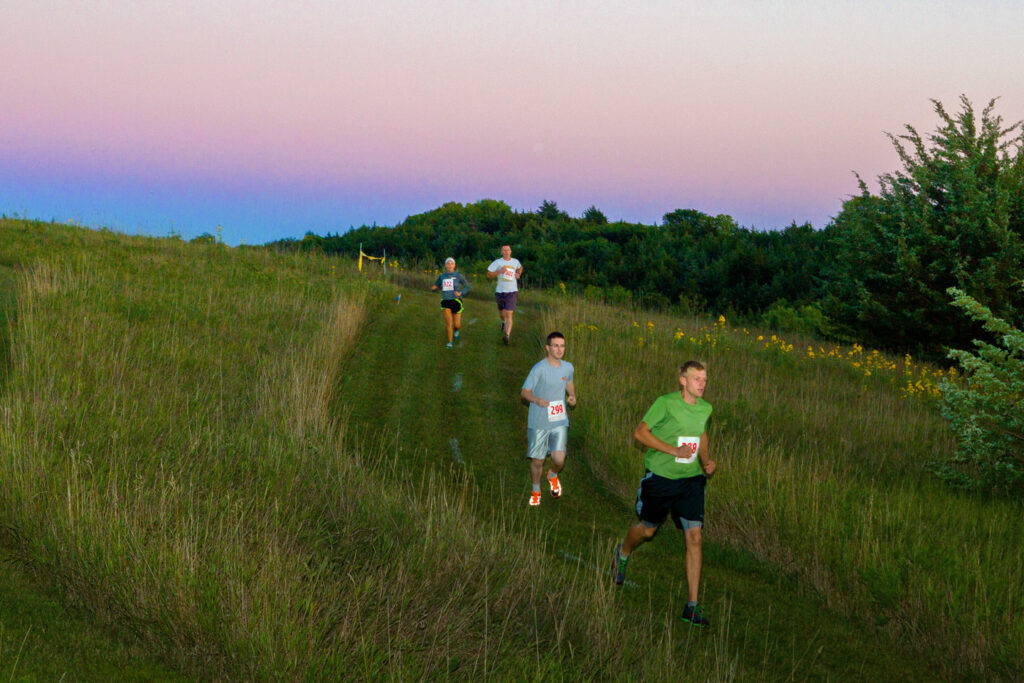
(556, 486)
(535, 498)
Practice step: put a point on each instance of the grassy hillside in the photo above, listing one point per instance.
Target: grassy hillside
(255, 465)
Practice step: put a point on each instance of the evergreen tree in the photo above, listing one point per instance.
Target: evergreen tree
(549, 210)
(953, 216)
(985, 408)
(593, 215)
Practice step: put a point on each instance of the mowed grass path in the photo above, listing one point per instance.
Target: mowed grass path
(454, 413)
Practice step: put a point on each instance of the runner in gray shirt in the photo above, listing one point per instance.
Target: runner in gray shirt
(548, 388)
(452, 285)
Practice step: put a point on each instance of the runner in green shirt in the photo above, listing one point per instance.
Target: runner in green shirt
(678, 466)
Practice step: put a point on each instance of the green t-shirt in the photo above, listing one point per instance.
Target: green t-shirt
(675, 422)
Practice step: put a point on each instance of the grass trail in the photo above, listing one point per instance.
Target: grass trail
(402, 384)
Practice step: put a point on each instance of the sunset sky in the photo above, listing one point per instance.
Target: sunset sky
(271, 119)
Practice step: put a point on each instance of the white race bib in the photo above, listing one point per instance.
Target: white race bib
(508, 273)
(693, 442)
(448, 284)
(556, 411)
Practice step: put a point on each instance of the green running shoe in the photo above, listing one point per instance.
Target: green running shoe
(695, 616)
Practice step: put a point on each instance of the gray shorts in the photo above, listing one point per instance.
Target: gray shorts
(540, 442)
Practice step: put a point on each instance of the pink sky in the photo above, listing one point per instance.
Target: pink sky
(274, 118)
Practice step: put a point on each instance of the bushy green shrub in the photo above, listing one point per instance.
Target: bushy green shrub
(808, 319)
(985, 408)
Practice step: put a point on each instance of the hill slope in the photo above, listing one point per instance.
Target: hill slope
(260, 465)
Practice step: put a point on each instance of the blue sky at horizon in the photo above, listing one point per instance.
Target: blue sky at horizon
(271, 119)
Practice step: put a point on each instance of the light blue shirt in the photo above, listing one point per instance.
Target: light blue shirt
(548, 382)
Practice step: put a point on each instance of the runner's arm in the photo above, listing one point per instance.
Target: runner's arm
(643, 434)
(530, 398)
(571, 393)
(706, 463)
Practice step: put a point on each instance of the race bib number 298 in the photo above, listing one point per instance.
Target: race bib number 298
(692, 443)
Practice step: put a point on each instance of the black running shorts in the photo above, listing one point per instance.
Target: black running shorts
(453, 305)
(658, 497)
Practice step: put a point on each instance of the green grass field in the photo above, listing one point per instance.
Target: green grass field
(231, 463)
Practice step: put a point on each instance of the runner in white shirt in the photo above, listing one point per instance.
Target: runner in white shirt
(507, 270)
(549, 388)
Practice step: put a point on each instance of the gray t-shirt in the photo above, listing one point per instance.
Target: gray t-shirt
(548, 383)
(449, 283)
(506, 271)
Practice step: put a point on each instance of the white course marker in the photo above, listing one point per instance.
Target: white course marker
(456, 453)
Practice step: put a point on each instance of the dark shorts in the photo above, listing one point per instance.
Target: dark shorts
(658, 497)
(506, 300)
(453, 305)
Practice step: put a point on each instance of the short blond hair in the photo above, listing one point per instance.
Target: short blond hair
(690, 364)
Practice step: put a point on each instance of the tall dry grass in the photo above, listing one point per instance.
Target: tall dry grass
(822, 474)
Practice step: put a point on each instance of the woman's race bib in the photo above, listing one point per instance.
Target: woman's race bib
(693, 442)
(448, 284)
(556, 411)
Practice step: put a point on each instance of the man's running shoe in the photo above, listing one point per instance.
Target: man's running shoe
(456, 335)
(619, 566)
(556, 486)
(695, 617)
(448, 345)
(535, 498)
(504, 338)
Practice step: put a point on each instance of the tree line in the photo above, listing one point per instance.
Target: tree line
(878, 273)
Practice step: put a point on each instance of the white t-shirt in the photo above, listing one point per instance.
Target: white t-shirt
(506, 271)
